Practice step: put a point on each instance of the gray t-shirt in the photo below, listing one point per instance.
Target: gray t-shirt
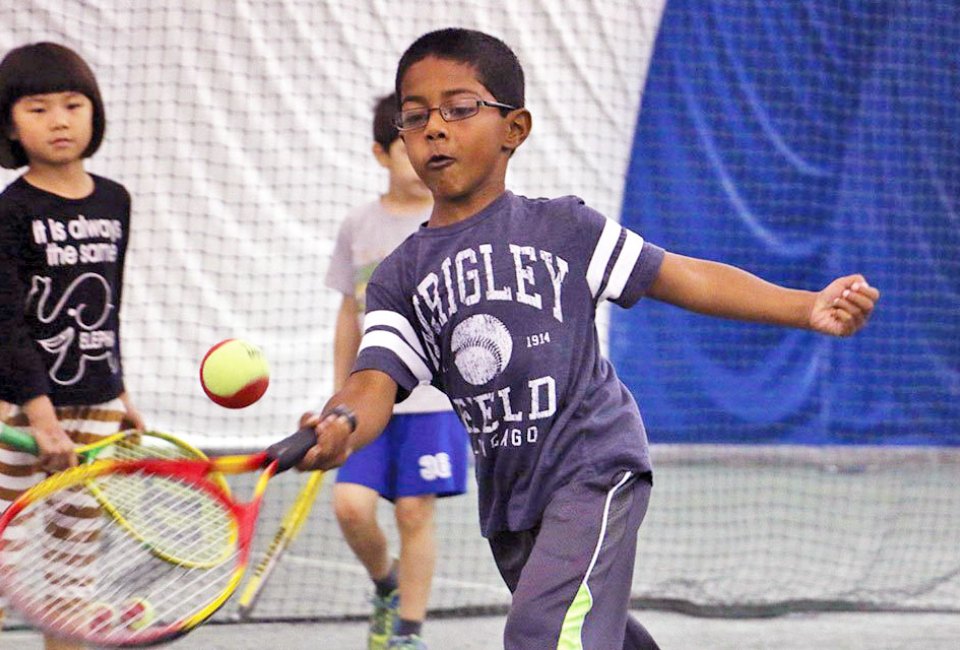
(498, 311)
(367, 235)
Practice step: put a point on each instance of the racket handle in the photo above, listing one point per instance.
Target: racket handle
(19, 440)
(289, 451)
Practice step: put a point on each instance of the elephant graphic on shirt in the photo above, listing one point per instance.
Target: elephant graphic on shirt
(87, 303)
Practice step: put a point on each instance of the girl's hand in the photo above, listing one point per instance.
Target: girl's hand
(844, 306)
(56, 448)
(133, 420)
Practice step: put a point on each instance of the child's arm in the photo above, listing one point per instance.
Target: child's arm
(132, 419)
(346, 340)
(369, 395)
(56, 448)
(840, 309)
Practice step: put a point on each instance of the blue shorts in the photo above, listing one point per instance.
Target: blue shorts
(417, 454)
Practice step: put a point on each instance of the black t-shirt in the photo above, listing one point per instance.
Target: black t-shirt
(61, 274)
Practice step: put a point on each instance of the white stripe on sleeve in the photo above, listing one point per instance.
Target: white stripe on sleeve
(392, 319)
(601, 255)
(626, 260)
(392, 342)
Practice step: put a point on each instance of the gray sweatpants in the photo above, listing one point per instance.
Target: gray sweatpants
(571, 575)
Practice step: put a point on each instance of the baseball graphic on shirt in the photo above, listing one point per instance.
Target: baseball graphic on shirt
(481, 347)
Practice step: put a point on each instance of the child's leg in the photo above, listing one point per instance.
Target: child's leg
(17, 474)
(571, 577)
(355, 507)
(51, 643)
(429, 453)
(418, 554)
(84, 424)
(361, 481)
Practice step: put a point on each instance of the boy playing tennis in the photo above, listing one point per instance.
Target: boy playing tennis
(422, 454)
(63, 238)
(494, 302)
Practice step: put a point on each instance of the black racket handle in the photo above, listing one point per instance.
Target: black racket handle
(291, 450)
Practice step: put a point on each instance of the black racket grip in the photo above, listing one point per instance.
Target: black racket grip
(291, 450)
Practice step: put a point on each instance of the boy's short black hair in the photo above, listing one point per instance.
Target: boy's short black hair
(37, 69)
(384, 129)
(498, 68)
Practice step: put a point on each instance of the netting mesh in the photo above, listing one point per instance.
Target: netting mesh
(243, 133)
(244, 136)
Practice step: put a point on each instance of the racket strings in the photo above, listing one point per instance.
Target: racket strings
(138, 446)
(167, 518)
(80, 574)
(69, 540)
(157, 521)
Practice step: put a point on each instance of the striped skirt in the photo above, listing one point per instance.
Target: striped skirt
(77, 517)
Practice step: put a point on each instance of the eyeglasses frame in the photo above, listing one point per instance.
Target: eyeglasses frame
(480, 103)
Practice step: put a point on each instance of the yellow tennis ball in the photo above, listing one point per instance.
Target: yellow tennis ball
(136, 614)
(234, 373)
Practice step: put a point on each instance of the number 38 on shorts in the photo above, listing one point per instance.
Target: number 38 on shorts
(435, 466)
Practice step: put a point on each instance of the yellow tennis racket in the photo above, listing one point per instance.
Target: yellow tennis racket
(288, 530)
(119, 498)
(73, 571)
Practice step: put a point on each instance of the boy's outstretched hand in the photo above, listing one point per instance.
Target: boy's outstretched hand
(844, 306)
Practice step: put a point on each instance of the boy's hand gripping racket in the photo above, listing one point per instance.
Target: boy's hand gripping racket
(90, 580)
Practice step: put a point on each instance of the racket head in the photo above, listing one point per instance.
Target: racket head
(132, 444)
(121, 497)
(71, 569)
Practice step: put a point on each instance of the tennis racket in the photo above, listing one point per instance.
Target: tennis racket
(91, 581)
(119, 498)
(288, 530)
(124, 445)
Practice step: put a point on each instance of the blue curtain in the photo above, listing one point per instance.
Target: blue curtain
(802, 140)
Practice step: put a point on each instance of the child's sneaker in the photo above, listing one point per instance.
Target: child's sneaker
(408, 642)
(382, 620)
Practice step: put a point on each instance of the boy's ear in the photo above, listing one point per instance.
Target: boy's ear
(520, 121)
(382, 156)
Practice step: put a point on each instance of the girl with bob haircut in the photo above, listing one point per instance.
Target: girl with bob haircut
(63, 242)
(39, 69)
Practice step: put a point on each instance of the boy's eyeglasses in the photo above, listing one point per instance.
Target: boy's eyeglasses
(451, 111)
